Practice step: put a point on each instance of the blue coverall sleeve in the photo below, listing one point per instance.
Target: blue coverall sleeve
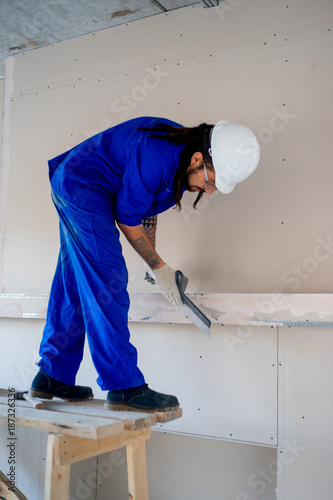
(147, 172)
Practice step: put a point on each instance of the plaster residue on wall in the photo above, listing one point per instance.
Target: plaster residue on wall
(121, 13)
(26, 45)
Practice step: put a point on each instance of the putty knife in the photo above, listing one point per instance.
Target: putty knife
(191, 310)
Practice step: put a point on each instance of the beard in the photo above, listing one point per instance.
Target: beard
(187, 187)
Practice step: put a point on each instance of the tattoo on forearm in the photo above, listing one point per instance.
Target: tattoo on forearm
(149, 227)
(146, 252)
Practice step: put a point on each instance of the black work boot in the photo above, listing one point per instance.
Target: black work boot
(47, 387)
(140, 399)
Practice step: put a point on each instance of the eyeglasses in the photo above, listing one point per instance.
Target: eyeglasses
(207, 185)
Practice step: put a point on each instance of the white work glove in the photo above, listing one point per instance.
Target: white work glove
(149, 275)
(165, 279)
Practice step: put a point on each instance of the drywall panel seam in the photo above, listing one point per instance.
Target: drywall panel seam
(277, 383)
(205, 436)
(266, 38)
(81, 80)
(5, 160)
(274, 310)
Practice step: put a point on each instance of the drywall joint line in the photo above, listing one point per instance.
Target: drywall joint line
(308, 324)
(219, 438)
(311, 310)
(206, 51)
(277, 383)
(23, 296)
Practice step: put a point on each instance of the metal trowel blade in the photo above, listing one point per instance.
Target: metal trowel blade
(191, 310)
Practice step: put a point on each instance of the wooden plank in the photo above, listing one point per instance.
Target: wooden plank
(71, 449)
(52, 421)
(168, 416)
(270, 309)
(161, 416)
(9, 494)
(137, 470)
(57, 478)
(132, 420)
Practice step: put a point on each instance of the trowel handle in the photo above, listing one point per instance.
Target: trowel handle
(181, 281)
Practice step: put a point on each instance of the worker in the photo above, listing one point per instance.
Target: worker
(122, 178)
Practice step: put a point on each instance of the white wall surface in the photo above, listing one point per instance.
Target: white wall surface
(3, 201)
(2, 83)
(261, 63)
(305, 416)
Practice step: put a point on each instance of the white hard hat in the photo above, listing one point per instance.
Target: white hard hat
(235, 154)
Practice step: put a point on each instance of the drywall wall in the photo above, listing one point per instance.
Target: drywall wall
(272, 233)
(260, 73)
(306, 407)
(56, 94)
(3, 199)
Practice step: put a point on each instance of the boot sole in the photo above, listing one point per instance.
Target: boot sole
(44, 395)
(123, 407)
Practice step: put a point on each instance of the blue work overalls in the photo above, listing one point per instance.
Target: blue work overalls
(122, 175)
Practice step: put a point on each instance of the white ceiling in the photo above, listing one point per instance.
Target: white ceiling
(28, 24)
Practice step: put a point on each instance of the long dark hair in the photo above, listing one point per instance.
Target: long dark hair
(196, 139)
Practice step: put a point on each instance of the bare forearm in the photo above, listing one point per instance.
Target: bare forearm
(140, 242)
(149, 226)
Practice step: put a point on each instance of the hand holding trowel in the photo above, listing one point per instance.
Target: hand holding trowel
(166, 279)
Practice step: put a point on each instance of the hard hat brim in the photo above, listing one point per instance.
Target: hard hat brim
(223, 187)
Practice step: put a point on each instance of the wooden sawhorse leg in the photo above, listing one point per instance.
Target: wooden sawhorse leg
(137, 470)
(63, 450)
(56, 476)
